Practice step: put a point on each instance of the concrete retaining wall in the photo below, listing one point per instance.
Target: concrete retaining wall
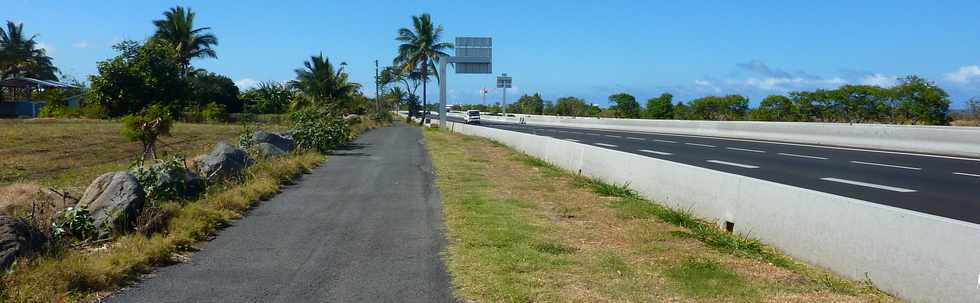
(946, 140)
(915, 256)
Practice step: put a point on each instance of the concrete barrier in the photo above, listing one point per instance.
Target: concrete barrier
(915, 256)
(945, 140)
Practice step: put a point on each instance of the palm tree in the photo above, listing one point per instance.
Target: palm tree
(320, 83)
(177, 30)
(19, 55)
(421, 49)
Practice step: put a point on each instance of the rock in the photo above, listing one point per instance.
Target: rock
(282, 143)
(193, 184)
(223, 162)
(113, 200)
(269, 150)
(16, 239)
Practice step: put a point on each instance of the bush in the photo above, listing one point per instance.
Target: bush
(164, 181)
(317, 129)
(214, 112)
(145, 127)
(75, 222)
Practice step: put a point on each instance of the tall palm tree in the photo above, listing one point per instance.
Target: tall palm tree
(320, 83)
(177, 30)
(20, 56)
(420, 49)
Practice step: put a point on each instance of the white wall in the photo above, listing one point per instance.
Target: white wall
(914, 256)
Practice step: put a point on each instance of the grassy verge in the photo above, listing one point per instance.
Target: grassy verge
(69, 274)
(521, 230)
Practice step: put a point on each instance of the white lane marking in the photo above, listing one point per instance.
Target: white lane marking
(698, 144)
(591, 134)
(573, 140)
(968, 175)
(580, 133)
(886, 165)
(664, 141)
(746, 150)
(606, 145)
(635, 138)
(803, 156)
(872, 185)
(656, 152)
(613, 136)
(733, 164)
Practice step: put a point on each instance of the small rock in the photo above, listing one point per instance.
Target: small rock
(16, 239)
(269, 150)
(113, 200)
(223, 162)
(279, 141)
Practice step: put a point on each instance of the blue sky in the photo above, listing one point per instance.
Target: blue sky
(589, 49)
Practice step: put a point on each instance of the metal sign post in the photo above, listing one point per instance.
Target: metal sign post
(504, 82)
(473, 56)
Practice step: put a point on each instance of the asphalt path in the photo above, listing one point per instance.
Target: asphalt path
(364, 227)
(934, 184)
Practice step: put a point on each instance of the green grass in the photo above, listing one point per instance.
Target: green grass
(706, 278)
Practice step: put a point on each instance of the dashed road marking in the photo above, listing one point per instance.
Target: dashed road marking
(699, 144)
(656, 152)
(635, 138)
(607, 145)
(613, 136)
(803, 156)
(886, 165)
(966, 174)
(664, 141)
(872, 185)
(746, 150)
(732, 164)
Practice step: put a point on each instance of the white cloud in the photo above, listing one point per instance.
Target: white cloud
(246, 83)
(80, 44)
(964, 75)
(879, 80)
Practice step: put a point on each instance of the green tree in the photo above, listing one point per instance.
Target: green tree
(776, 108)
(177, 30)
(20, 56)
(209, 88)
(571, 106)
(625, 106)
(139, 76)
(268, 98)
(922, 102)
(420, 49)
(323, 85)
(661, 107)
(145, 127)
(532, 105)
(682, 111)
(727, 108)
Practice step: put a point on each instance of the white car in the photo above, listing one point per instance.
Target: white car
(472, 116)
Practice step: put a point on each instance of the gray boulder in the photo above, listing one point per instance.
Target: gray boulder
(269, 150)
(16, 239)
(223, 162)
(283, 143)
(192, 183)
(113, 200)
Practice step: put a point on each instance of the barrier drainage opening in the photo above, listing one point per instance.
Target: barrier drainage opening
(729, 226)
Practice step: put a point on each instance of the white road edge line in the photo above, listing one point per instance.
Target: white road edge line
(803, 156)
(966, 174)
(733, 164)
(872, 185)
(635, 138)
(746, 150)
(570, 139)
(664, 141)
(699, 144)
(886, 165)
(606, 145)
(656, 152)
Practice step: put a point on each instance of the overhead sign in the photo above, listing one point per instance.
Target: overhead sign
(503, 81)
(474, 55)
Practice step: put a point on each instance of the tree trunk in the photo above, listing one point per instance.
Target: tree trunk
(425, 103)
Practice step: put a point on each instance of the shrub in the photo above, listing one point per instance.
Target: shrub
(214, 112)
(317, 129)
(145, 127)
(164, 181)
(75, 222)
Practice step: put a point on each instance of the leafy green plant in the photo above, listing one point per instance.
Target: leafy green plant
(214, 112)
(163, 181)
(146, 127)
(76, 222)
(318, 129)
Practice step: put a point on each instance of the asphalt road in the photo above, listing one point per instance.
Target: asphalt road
(364, 227)
(934, 184)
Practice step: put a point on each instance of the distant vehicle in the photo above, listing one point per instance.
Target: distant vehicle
(510, 115)
(472, 116)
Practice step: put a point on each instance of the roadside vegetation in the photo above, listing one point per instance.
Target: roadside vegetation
(541, 234)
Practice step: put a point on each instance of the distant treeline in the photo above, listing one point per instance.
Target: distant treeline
(913, 101)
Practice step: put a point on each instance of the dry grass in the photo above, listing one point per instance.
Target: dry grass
(541, 234)
(69, 274)
(68, 154)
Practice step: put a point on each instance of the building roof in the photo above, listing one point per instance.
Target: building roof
(23, 82)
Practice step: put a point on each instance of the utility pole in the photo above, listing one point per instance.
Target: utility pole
(377, 87)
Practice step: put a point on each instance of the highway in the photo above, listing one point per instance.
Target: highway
(934, 184)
